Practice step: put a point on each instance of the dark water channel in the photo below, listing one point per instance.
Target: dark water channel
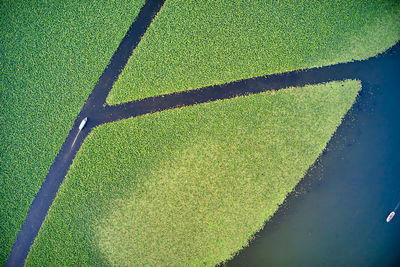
(336, 215)
(93, 110)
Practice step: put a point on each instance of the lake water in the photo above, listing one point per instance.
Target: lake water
(336, 215)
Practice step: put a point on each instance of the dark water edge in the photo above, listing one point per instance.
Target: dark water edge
(336, 214)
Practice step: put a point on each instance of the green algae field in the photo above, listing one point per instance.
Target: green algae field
(52, 55)
(192, 44)
(188, 186)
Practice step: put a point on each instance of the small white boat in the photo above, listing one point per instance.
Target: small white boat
(83, 123)
(390, 217)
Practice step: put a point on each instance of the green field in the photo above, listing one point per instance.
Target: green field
(192, 44)
(188, 186)
(53, 53)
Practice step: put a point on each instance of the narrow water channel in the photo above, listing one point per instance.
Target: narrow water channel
(336, 215)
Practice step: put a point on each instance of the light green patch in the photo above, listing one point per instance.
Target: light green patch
(188, 186)
(384, 29)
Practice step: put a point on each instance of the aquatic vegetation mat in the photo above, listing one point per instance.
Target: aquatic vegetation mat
(193, 44)
(188, 186)
(53, 53)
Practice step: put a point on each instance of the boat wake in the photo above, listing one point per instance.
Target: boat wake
(397, 206)
(81, 126)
